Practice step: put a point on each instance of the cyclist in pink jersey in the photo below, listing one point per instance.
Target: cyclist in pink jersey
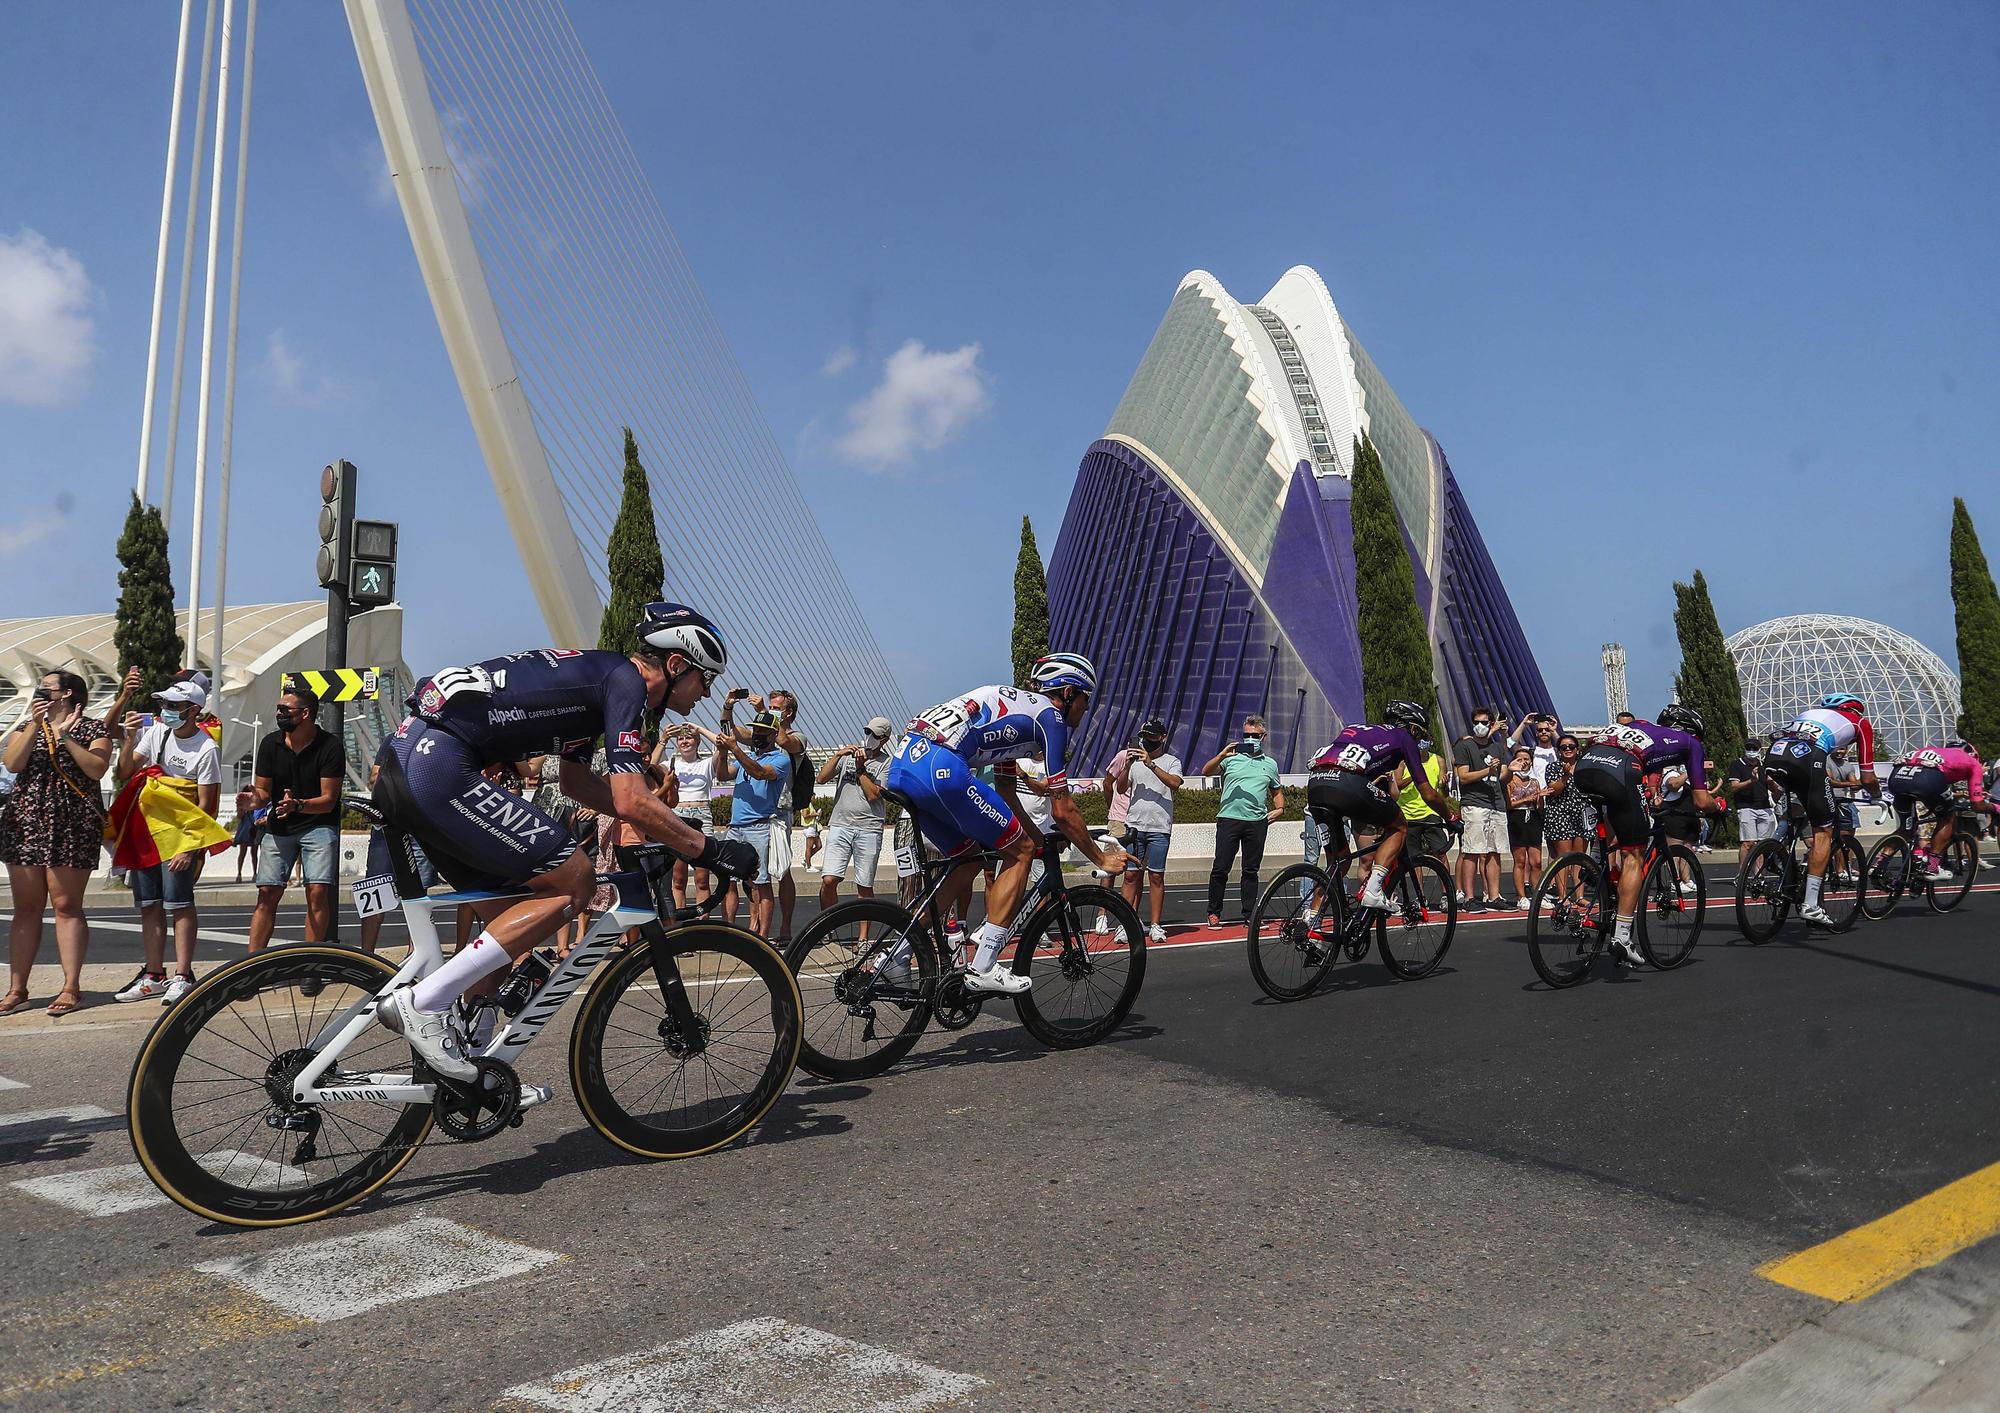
(1927, 776)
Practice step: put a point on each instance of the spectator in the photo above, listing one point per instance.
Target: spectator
(1843, 777)
(694, 782)
(854, 827)
(1251, 799)
(766, 772)
(379, 865)
(1427, 833)
(248, 831)
(541, 778)
(796, 796)
(1566, 821)
(1477, 761)
(1117, 799)
(1678, 818)
(1749, 792)
(298, 774)
(1541, 731)
(1151, 775)
(52, 828)
(1625, 718)
(173, 748)
(1525, 793)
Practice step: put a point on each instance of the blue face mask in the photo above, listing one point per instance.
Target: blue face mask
(1252, 746)
(177, 717)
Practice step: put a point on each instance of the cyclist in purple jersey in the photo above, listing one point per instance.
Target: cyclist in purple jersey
(479, 836)
(1351, 780)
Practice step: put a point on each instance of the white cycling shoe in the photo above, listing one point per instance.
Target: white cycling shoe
(1376, 898)
(429, 1033)
(533, 1095)
(1628, 952)
(1816, 915)
(997, 980)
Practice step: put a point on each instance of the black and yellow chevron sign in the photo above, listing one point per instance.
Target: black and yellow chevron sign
(338, 684)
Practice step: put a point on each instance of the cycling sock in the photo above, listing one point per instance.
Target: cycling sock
(1375, 877)
(479, 958)
(1622, 930)
(1814, 882)
(992, 937)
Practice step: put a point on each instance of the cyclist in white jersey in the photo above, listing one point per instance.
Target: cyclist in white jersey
(935, 767)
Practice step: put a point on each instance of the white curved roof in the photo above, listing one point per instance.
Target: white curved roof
(1785, 664)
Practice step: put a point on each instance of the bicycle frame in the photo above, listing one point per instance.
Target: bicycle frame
(1044, 884)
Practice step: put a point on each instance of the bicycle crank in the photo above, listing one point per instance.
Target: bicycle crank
(481, 1107)
(954, 1007)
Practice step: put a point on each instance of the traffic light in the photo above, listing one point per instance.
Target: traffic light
(336, 523)
(371, 579)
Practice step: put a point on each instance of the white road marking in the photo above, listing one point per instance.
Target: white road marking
(351, 1275)
(34, 1125)
(124, 1187)
(6, 1083)
(769, 1365)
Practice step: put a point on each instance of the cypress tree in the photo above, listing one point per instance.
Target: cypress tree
(1707, 680)
(1976, 606)
(1031, 604)
(1395, 646)
(146, 633)
(637, 575)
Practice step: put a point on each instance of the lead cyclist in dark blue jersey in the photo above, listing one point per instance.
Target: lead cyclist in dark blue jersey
(549, 701)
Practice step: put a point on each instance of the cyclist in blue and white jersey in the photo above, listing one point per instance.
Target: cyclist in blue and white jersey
(1797, 760)
(935, 767)
(549, 701)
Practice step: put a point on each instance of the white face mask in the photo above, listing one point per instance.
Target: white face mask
(1481, 730)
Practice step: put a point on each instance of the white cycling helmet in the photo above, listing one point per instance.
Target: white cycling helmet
(1062, 670)
(676, 628)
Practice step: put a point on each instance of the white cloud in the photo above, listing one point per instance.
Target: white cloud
(20, 535)
(926, 398)
(839, 361)
(48, 335)
(292, 381)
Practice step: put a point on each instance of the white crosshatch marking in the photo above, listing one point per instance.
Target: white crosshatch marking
(351, 1275)
(767, 1365)
(6, 1083)
(38, 1124)
(124, 1187)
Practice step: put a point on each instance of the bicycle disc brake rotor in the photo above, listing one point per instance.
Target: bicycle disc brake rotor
(482, 1106)
(680, 1042)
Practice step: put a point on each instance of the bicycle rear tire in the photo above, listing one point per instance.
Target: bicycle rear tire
(1413, 936)
(1566, 925)
(1886, 877)
(747, 1004)
(1085, 986)
(1841, 901)
(1764, 891)
(1962, 858)
(1670, 920)
(1291, 962)
(842, 1001)
(262, 1182)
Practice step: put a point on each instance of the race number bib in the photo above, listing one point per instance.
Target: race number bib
(1355, 757)
(373, 896)
(1630, 738)
(945, 722)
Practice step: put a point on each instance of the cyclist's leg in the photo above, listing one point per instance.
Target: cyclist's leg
(1611, 777)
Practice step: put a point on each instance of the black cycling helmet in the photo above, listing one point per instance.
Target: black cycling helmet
(1676, 717)
(1407, 713)
(675, 628)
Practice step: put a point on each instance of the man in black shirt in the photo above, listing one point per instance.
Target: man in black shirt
(298, 776)
(1748, 790)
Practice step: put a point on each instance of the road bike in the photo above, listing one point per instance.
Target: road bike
(1576, 904)
(1892, 867)
(1771, 882)
(1293, 942)
(874, 973)
(270, 1094)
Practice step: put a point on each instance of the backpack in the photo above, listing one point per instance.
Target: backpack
(803, 783)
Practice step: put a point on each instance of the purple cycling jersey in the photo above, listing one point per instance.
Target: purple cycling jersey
(1370, 751)
(1656, 747)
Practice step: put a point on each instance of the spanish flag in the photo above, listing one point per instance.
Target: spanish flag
(156, 817)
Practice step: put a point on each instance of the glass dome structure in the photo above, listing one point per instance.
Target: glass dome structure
(1787, 663)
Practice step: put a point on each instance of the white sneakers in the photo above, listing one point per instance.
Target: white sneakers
(997, 980)
(178, 985)
(1686, 887)
(1103, 928)
(1156, 933)
(429, 1033)
(143, 987)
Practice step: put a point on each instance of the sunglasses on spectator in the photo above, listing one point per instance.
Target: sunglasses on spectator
(1253, 735)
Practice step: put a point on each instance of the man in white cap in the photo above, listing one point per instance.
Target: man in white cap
(854, 828)
(178, 744)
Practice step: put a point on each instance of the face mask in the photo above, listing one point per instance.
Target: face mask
(44, 694)
(1481, 730)
(1252, 746)
(286, 721)
(1423, 745)
(177, 717)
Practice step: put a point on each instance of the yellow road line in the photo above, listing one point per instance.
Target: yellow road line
(1858, 1263)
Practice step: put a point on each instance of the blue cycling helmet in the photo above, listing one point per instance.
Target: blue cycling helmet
(1841, 701)
(1062, 670)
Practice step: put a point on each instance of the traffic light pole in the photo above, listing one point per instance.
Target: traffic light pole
(336, 627)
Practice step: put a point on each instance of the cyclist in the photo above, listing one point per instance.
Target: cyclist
(478, 836)
(1797, 760)
(1610, 773)
(960, 813)
(1926, 776)
(1352, 779)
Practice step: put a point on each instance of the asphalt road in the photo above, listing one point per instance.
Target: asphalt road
(1465, 1192)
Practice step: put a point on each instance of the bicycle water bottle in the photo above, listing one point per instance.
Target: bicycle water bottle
(525, 980)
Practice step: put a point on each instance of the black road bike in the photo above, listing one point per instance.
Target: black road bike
(1892, 867)
(1576, 905)
(1771, 883)
(1304, 922)
(873, 973)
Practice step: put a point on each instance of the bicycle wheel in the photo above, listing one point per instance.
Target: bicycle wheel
(1886, 877)
(1413, 936)
(1670, 916)
(1085, 983)
(1840, 889)
(1763, 891)
(1289, 956)
(1961, 860)
(1566, 925)
(866, 1001)
(210, 1108)
(654, 1088)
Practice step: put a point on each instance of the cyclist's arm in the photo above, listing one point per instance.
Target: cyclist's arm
(1068, 820)
(585, 786)
(633, 800)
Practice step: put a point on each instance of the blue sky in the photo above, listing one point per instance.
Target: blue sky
(1676, 287)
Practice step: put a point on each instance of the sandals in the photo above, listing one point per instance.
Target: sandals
(13, 1001)
(60, 1007)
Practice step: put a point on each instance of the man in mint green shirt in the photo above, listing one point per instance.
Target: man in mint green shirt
(1251, 799)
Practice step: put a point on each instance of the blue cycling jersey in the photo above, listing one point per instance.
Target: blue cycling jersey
(550, 701)
(997, 726)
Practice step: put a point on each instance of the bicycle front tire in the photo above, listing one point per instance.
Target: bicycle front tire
(1962, 858)
(1086, 984)
(1885, 877)
(1764, 891)
(746, 1004)
(1413, 936)
(1286, 960)
(1670, 920)
(1840, 899)
(1566, 923)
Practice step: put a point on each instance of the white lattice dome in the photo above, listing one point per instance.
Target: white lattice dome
(1787, 663)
